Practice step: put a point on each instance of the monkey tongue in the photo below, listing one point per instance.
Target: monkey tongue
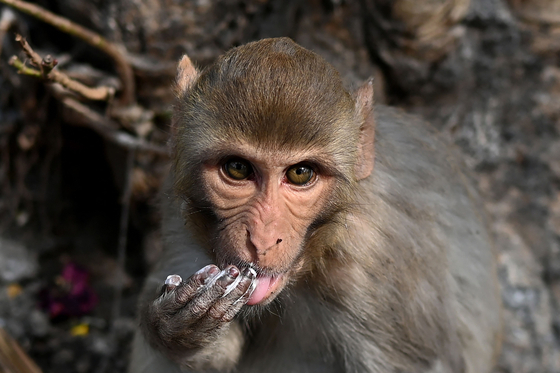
(264, 286)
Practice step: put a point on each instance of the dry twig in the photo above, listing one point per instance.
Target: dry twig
(12, 357)
(45, 69)
(109, 129)
(123, 68)
(23, 69)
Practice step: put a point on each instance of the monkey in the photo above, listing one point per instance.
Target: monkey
(308, 230)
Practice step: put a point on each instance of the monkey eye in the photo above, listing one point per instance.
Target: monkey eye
(300, 174)
(238, 169)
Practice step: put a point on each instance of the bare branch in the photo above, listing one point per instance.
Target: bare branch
(24, 70)
(48, 63)
(123, 68)
(12, 356)
(46, 66)
(34, 56)
(108, 129)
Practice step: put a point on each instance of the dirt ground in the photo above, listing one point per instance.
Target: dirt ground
(484, 72)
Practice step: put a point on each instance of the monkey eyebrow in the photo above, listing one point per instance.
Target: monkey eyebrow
(220, 154)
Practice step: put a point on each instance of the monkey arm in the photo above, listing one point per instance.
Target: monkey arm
(144, 359)
(221, 356)
(191, 322)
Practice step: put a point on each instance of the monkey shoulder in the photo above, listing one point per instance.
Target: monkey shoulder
(425, 189)
(419, 177)
(417, 165)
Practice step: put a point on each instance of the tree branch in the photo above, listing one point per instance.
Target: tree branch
(123, 68)
(46, 71)
(108, 129)
(12, 356)
(24, 70)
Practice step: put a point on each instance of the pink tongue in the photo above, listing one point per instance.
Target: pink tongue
(263, 283)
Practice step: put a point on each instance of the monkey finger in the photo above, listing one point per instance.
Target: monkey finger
(175, 292)
(188, 289)
(234, 298)
(171, 282)
(210, 293)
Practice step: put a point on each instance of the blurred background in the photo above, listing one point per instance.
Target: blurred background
(79, 178)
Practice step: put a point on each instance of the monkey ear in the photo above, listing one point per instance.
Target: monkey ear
(186, 76)
(366, 143)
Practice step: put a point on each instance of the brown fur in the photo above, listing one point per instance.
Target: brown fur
(390, 267)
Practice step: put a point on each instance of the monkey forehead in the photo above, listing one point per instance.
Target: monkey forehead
(279, 143)
(273, 93)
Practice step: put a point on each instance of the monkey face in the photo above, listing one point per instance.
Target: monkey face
(278, 145)
(265, 201)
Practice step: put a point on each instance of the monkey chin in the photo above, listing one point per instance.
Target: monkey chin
(266, 289)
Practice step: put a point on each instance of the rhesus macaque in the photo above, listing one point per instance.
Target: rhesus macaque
(308, 231)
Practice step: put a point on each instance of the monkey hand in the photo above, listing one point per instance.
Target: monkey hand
(191, 315)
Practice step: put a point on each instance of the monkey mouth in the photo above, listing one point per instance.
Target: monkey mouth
(265, 288)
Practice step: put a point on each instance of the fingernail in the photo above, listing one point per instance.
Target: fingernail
(173, 280)
(233, 272)
(212, 271)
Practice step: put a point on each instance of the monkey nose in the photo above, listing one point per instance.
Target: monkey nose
(262, 242)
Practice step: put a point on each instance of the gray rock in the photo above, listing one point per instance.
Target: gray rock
(16, 262)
